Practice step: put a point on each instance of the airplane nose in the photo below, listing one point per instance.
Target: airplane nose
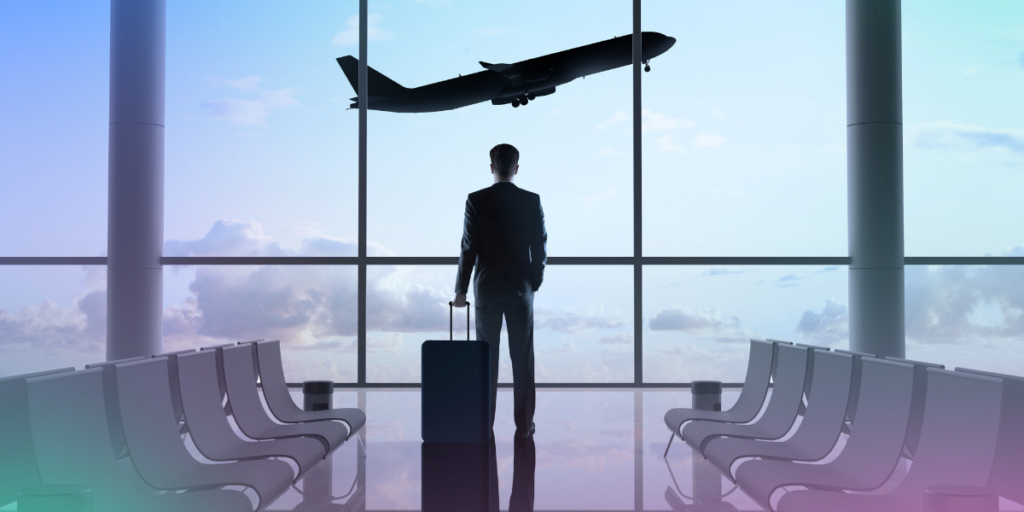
(669, 42)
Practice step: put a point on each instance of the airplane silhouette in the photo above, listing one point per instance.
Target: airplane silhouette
(504, 84)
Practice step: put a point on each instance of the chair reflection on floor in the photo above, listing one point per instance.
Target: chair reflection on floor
(463, 477)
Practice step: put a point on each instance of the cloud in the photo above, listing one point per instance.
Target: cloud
(593, 317)
(619, 117)
(252, 111)
(618, 339)
(829, 327)
(349, 36)
(659, 121)
(685, 319)
(965, 304)
(945, 135)
(708, 140)
(667, 143)
(721, 271)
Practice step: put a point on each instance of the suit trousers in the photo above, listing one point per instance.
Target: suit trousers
(518, 315)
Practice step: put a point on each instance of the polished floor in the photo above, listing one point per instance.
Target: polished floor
(595, 449)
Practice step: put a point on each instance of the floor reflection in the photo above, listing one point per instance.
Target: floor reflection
(594, 450)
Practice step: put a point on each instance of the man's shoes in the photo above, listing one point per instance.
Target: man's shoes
(523, 434)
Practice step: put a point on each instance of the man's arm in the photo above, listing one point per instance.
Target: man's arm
(467, 257)
(538, 250)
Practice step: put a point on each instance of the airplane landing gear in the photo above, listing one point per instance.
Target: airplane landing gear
(515, 103)
(647, 66)
(531, 96)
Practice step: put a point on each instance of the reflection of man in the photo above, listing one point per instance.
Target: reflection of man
(504, 237)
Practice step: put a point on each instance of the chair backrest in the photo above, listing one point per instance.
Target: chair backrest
(275, 388)
(70, 434)
(110, 396)
(150, 428)
(851, 411)
(920, 397)
(18, 466)
(787, 395)
(958, 436)
(759, 372)
(1008, 467)
(204, 413)
(775, 356)
(243, 394)
(877, 437)
(172, 366)
(221, 385)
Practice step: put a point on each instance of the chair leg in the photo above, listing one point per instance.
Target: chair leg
(669, 445)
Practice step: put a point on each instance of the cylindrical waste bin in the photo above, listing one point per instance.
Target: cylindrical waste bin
(316, 395)
(707, 395)
(958, 498)
(54, 498)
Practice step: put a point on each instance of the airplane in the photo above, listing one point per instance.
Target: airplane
(503, 84)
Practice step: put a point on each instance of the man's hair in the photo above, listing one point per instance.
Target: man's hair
(504, 159)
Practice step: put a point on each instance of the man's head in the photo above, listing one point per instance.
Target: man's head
(504, 162)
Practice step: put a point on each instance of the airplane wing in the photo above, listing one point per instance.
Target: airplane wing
(509, 71)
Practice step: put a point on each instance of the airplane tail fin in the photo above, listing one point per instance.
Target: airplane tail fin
(378, 84)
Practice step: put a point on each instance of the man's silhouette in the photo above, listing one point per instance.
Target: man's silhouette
(504, 237)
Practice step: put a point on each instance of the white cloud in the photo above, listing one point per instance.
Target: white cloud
(944, 135)
(252, 111)
(659, 121)
(708, 140)
(349, 36)
(618, 117)
(707, 321)
(668, 143)
(829, 327)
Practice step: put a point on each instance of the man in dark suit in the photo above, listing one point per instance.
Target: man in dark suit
(504, 237)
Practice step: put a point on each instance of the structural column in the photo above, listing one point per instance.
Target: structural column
(875, 175)
(135, 224)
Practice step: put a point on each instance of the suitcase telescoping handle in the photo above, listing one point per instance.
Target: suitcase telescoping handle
(451, 320)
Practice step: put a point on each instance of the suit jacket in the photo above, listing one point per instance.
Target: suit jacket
(504, 237)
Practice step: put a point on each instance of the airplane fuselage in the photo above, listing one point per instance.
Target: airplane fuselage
(533, 77)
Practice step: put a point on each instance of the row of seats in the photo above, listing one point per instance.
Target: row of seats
(958, 427)
(120, 427)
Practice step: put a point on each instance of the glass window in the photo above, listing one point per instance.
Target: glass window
(969, 316)
(53, 130)
(744, 130)
(575, 145)
(698, 320)
(52, 317)
(261, 156)
(311, 309)
(963, 132)
(583, 322)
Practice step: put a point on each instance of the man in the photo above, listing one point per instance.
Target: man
(504, 236)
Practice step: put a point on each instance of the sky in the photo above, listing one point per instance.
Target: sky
(743, 148)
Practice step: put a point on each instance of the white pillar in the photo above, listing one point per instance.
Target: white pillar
(874, 134)
(135, 224)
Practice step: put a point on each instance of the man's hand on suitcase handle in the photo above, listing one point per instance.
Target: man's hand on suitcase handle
(460, 300)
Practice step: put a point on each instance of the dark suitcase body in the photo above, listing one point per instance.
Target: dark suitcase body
(456, 390)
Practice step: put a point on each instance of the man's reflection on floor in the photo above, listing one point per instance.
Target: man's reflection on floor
(464, 477)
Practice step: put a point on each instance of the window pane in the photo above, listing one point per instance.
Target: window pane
(698, 320)
(963, 127)
(969, 316)
(744, 130)
(575, 144)
(261, 154)
(311, 309)
(583, 322)
(52, 317)
(53, 128)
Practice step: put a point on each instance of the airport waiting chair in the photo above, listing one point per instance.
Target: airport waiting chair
(172, 366)
(858, 357)
(871, 452)
(252, 418)
(160, 456)
(71, 441)
(760, 366)
(17, 460)
(917, 406)
(779, 415)
(956, 446)
(275, 391)
(1008, 467)
(816, 435)
(212, 433)
(110, 396)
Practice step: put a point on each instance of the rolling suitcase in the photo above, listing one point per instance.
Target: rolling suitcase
(456, 389)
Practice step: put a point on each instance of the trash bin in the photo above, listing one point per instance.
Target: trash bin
(706, 394)
(316, 395)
